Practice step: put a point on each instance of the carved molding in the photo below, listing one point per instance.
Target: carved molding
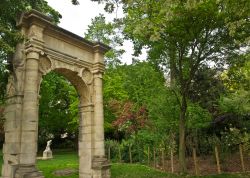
(87, 76)
(45, 65)
(11, 90)
(18, 58)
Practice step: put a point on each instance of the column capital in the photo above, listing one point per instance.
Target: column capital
(33, 52)
(33, 46)
(98, 68)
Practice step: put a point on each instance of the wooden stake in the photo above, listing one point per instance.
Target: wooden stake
(242, 158)
(163, 159)
(172, 160)
(154, 159)
(109, 153)
(120, 155)
(217, 159)
(130, 154)
(148, 156)
(195, 162)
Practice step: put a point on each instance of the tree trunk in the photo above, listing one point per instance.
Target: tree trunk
(182, 146)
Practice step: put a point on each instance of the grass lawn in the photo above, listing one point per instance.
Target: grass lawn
(69, 160)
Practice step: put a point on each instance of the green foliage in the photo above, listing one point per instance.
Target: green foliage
(3, 81)
(237, 80)
(182, 37)
(58, 109)
(9, 10)
(133, 84)
(197, 117)
(237, 102)
(106, 32)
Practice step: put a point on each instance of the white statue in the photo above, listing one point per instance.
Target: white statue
(47, 154)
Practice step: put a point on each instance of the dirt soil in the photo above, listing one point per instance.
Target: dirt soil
(207, 165)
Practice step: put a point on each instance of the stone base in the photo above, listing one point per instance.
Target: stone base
(101, 167)
(47, 154)
(27, 171)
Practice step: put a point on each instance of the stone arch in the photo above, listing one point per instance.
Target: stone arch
(72, 73)
(79, 84)
(50, 48)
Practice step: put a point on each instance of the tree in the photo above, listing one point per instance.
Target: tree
(186, 35)
(57, 114)
(237, 81)
(107, 33)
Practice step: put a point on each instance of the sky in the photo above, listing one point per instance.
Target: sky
(77, 18)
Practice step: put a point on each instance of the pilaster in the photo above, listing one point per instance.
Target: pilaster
(100, 163)
(85, 140)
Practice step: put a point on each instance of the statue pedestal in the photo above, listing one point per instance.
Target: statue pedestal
(47, 154)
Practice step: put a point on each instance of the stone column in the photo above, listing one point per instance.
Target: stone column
(29, 123)
(99, 116)
(85, 140)
(11, 146)
(100, 163)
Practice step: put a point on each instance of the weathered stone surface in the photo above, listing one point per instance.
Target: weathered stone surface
(27, 171)
(51, 48)
(101, 167)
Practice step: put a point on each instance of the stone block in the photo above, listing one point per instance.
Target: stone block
(12, 136)
(87, 122)
(85, 163)
(29, 137)
(85, 175)
(11, 148)
(8, 171)
(10, 115)
(11, 158)
(28, 158)
(28, 148)
(12, 125)
(84, 153)
(30, 97)
(86, 129)
(29, 125)
(85, 145)
(30, 114)
(85, 137)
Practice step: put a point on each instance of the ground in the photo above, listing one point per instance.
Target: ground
(69, 160)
